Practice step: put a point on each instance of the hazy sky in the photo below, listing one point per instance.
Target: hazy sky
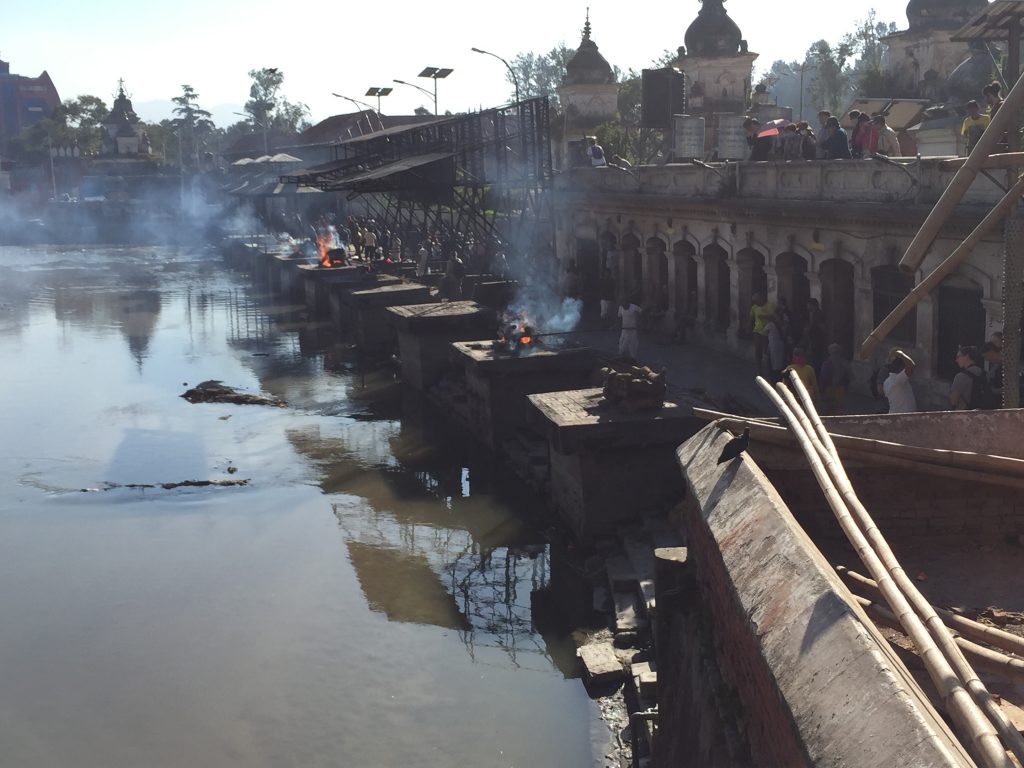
(346, 47)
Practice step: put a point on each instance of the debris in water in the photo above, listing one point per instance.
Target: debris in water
(232, 470)
(168, 486)
(218, 392)
(225, 418)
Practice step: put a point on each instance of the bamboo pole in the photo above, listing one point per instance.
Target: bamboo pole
(904, 585)
(985, 658)
(1003, 121)
(955, 464)
(947, 267)
(974, 727)
(975, 630)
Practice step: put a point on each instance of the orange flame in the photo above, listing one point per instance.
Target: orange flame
(323, 245)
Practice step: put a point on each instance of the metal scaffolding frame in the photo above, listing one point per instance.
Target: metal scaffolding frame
(485, 173)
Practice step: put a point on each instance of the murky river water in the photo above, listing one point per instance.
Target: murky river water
(365, 601)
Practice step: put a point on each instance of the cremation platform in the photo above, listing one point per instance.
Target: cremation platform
(498, 382)
(284, 275)
(426, 333)
(609, 466)
(319, 282)
(364, 315)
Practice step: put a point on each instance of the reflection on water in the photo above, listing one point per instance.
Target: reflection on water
(364, 601)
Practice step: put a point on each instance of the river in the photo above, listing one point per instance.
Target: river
(365, 600)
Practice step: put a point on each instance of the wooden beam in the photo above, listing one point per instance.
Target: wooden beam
(947, 267)
(1002, 160)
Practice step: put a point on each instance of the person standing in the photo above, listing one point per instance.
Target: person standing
(823, 118)
(835, 378)
(596, 153)
(965, 392)
(760, 313)
(776, 348)
(974, 125)
(896, 387)
(888, 141)
(813, 338)
(993, 356)
(837, 145)
(805, 371)
(629, 339)
(607, 288)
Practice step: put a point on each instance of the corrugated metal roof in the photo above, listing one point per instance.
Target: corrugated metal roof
(992, 24)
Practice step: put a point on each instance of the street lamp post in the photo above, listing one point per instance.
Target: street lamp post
(515, 79)
(53, 174)
(262, 126)
(435, 74)
(359, 103)
(418, 88)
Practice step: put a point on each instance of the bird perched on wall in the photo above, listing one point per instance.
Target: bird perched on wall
(735, 447)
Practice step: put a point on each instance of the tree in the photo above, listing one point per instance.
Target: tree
(832, 81)
(76, 122)
(541, 74)
(270, 110)
(192, 123)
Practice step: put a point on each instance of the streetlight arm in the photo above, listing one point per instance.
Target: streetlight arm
(413, 85)
(515, 79)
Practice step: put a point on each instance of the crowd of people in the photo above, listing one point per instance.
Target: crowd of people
(868, 135)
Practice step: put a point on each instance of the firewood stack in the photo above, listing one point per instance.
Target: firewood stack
(636, 389)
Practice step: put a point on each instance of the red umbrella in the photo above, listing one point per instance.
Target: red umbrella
(773, 127)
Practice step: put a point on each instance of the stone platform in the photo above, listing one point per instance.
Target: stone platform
(498, 383)
(319, 282)
(364, 315)
(609, 466)
(284, 275)
(427, 331)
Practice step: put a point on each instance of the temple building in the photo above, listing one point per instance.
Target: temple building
(718, 68)
(24, 101)
(922, 57)
(589, 95)
(123, 132)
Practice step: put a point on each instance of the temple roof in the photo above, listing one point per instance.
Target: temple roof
(942, 14)
(122, 112)
(713, 33)
(588, 66)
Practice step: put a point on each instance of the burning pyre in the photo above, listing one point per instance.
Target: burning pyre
(516, 334)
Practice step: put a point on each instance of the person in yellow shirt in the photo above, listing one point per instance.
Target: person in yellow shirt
(804, 370)
(760, 313)
(974, 124)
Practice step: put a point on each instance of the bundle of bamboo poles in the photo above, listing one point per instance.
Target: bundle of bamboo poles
(984, 728)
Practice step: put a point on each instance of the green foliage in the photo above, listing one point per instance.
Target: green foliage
(541, 74)
(77, 121)
(268, 108)
(192, 127)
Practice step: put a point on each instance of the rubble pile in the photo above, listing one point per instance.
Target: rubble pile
(635, 389)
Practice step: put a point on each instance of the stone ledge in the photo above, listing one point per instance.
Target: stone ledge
(818, 683)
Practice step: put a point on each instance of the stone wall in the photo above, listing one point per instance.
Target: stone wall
(702, 240)
(815, 683)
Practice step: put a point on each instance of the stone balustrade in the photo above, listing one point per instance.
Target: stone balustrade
(840, 181)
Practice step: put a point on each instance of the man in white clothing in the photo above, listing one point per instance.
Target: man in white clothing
(896, 386)
(629, 340)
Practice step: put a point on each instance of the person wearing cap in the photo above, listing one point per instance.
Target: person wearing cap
(896, 387)
(887, 143)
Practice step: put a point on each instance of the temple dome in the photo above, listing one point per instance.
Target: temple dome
(942, 14)
(713, 33)
(122, 111)
(588, 66)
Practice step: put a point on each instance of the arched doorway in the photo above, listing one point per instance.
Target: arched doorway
(837, 302)
(961, 320)
(716, 287)
(656, 275)
(752, 279)
(631, 271)
(889, 286)
(685, 287)
(794, 287)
